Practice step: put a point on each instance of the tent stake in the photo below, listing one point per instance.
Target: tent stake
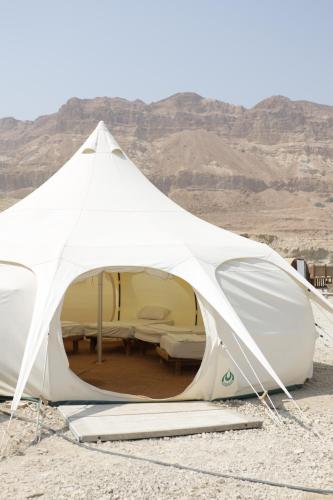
(100, 319)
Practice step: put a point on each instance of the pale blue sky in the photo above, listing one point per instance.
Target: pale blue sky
(239, 51)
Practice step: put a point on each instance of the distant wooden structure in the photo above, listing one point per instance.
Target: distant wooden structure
(321, 275)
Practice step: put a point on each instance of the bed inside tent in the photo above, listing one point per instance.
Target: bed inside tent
(133, 331)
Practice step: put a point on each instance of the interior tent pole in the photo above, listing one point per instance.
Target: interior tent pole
(100, 318)
(114, 307)
(196, 309)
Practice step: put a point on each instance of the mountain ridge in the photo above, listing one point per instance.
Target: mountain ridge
(264, 170)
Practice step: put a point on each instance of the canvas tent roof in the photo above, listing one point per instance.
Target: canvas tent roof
(100, 211)
(101, 187)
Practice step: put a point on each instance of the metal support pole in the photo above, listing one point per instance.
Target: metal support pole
(100, 319)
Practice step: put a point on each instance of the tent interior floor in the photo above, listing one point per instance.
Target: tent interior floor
(138, 373)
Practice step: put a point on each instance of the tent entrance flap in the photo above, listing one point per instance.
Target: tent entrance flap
(156, 348)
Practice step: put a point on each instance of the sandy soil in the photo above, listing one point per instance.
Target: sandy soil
(57, 468)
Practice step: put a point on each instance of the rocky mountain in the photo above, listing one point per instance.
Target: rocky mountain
(266, 172)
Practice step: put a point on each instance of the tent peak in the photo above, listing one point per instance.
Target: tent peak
(101, 125)
(101, 141)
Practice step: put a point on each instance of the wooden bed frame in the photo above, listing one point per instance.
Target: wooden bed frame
(177, 362)
(127, 343)
(75, 339)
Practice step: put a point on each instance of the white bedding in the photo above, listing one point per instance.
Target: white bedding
(185, 346)
(121, 329)
(154, 333)
(71, 329)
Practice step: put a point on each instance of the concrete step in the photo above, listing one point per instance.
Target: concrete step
(113, 422)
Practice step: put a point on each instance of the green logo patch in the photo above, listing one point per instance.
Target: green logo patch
(228, 378)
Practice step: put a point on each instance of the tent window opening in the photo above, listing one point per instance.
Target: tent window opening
(118, 152)
(134, 332)
(88, 151)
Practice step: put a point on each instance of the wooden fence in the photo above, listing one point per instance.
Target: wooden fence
(321, 275)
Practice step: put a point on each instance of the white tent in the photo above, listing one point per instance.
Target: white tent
(99, 212)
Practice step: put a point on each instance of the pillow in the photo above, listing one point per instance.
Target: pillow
(153, 312)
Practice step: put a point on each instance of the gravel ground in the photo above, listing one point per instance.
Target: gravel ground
(57, 468)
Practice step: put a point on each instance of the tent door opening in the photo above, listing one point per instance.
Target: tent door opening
(138, 332)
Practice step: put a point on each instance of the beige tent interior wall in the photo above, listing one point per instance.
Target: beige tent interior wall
(140, 289)
(137, 289)
(81, 300)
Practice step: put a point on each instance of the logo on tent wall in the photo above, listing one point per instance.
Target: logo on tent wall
(228, 378)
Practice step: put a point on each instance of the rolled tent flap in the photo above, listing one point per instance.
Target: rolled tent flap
(159, 274)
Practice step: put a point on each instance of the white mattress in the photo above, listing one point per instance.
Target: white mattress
(121, 329)
(148, 335)
(185, 346)
(71, 329)
(154, 333)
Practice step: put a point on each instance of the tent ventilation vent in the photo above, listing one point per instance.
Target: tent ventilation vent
(118, 152)
(88, 151)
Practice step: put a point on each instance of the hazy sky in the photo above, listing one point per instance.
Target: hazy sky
(239, 51)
